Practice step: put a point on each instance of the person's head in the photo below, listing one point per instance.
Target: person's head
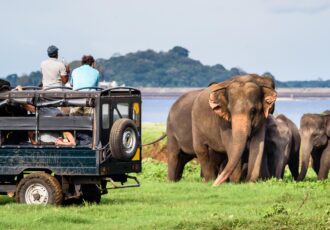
(52, 51)
(87, 59)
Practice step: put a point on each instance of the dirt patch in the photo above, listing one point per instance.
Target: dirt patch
(157, 151)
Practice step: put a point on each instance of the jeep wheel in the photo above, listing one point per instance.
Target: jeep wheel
(39, 188)
(91, 193)
(123, 139)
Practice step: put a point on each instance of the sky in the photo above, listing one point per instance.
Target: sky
(289, 38)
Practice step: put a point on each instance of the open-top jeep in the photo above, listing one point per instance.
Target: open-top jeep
(46, 173)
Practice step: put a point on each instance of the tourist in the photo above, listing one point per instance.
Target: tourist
(86, 75)
(54, 72)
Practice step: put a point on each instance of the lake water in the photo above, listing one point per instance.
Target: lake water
(156, 110)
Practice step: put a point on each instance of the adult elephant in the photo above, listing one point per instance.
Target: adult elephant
(228, 115)
(179, 138)
(315, 134)
(281, 148)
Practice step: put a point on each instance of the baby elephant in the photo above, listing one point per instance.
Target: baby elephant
(315, 135)
(281, 148)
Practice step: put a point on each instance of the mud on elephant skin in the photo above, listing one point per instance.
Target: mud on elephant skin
(315, 136)
(282, 146)
(225, 116)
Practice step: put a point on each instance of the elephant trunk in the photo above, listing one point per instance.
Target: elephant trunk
(241, 128)
(306, 148)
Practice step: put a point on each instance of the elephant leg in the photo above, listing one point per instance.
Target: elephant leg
(173, 160)
(220, 164)
(218, 161)
(316, 157)
(244, 171)
(237, 173)
(264, 170)
(172, 167)
(294, 164)
(324, 164)
(207, 165)
(255, 154)
(176, 163)
(281, 160)
(184, 158)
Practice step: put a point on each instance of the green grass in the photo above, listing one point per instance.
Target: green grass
(188, 204)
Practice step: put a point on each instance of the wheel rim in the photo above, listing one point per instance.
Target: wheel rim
(129, 140)
(36, 194)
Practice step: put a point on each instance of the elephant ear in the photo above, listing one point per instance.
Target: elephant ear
(269, 93)
(269, 100)
(218, 100)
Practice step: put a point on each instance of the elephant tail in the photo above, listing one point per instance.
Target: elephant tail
(155, 141)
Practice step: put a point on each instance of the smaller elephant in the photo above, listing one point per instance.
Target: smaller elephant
(281, 147)
(315, 134)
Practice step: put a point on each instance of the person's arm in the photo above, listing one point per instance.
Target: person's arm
(30, 108)
(64, 73)
(69, 137)
(64, 79)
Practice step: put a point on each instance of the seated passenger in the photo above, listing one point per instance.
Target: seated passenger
(49, 137)
(84, 76)
(65, 139)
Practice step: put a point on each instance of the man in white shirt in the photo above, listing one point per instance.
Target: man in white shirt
(54, 72)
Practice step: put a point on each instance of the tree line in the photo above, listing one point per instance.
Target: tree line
(173, 68)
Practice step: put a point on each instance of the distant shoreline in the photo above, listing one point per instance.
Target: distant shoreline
(282, 93)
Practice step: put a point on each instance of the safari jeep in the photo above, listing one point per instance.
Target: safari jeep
(47, 173)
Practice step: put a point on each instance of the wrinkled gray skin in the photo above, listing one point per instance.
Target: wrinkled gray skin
(315, 133)
(179, 137)
(281, 147)
(226, 117)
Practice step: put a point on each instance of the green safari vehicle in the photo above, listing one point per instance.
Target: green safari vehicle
(107, 149)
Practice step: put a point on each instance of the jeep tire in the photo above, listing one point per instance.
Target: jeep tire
(123, 139)
(39, 188)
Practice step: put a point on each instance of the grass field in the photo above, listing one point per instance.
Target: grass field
(189, 204)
